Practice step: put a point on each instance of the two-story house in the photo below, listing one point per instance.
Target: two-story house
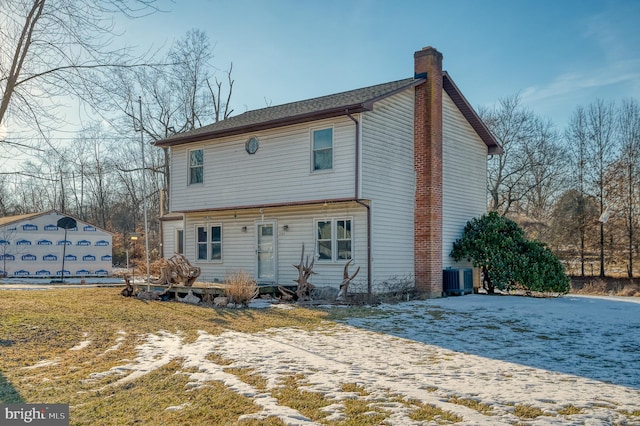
(386, 175)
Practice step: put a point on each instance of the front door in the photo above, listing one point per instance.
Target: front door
(266, 251)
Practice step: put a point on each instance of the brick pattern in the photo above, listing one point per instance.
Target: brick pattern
(428, 168)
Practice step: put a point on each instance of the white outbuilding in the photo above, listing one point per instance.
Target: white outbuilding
(34, 245)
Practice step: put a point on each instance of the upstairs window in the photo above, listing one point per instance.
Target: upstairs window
(196, 166)
(334, 239)
(322, 149)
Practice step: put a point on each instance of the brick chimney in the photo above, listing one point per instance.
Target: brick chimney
(428, 167)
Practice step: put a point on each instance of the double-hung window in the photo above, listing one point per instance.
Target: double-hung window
(334, 239)
(209, 242)
(322, 141)
(196, 166)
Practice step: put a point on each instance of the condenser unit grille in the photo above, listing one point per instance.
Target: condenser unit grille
(457, 281)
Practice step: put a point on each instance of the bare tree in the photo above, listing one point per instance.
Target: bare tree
(5, 196)
(50, 49)
(90, 162)
(629, 131)
(530, 174)
(544, 179)
(175, 99)
(600, 129)
(513, 126)
(576, 136)
(574, 221)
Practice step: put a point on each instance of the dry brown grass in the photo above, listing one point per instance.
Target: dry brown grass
(629, 291)
(37, 326)
(596, 286)
(155, 267)
(608, 286)
(241, 288)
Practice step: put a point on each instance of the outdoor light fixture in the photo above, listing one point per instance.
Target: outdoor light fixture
(285, 227)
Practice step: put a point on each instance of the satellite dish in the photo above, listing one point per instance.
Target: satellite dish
(67, 222)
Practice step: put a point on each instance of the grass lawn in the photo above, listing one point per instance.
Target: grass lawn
(46, 329)
(123, 361)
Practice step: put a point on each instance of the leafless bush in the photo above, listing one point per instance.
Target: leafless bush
(393, 289)
(629, 290)
(596, 286)
(240, 288)
(155, 267)
(396, 289)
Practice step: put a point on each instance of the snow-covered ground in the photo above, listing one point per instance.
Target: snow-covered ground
(591, 337)
(40, 283)
(502, 351)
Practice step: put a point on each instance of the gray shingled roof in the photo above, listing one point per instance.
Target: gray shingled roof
(353, 101)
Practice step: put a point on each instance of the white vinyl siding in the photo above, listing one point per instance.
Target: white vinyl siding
(170, 244)
(295, 228)
(464, 186)
(388, 180)
(279, 172)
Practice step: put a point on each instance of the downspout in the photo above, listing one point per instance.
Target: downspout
(357, 199)
(161, 225)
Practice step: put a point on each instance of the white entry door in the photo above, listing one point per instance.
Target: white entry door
(266, 251)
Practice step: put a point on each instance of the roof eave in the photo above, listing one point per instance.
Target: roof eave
(332, 112)
(280, 122)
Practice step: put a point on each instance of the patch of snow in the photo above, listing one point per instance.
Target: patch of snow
(46, 282)
(43, 363)
(82, 344)
(499, 350)
(178, 407)
(593, 337)
(118, 343)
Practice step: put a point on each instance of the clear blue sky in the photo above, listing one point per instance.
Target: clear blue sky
(556, 54)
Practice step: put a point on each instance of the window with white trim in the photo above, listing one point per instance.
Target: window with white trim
(196, 166)
(334, 239)
(322, 145)
(209, 242)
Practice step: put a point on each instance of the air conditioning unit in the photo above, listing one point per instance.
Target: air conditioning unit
(457, 281)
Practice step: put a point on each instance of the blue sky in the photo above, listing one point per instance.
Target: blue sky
(556, 54)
